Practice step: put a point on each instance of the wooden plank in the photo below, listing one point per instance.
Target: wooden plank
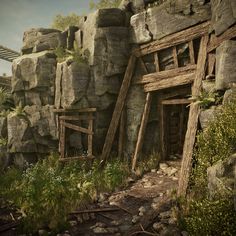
(81, 158)
(118, 108)
(216, 41)
(142, 129)
(191, 52)
(84, 110)
(75, 118)
(121, 134)
(162, 132)
(193, 120)
(149, 78)
(173, 39)
(156, 61)
(170, 82)
(78, 128)
(177, 92)
(176, 101)
(175, 57)
(211, 63)
(95, 210)
(62, 138)
(90, 136)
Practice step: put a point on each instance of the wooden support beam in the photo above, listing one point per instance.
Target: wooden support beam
(78, 128)
(185, 91)
(62, 138)
(193, 119)
(176, 101)
(90, 136)
(143, 65)
(211, 63)
(157, 63)
(153, 77)
(162, 133)
(175, 57)
(81, 158)
(142, 129)
(170, 82)
(216, 41)
(121, 135)
(173, 39)
(75, 118)
(118, 108)
(191, 52)
(83, 110)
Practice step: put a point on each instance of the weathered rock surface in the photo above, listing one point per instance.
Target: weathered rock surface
(223, 15)
(33, 79)
(229, 96)
(40, 39)
(221, 176)
(207, 116)
(225, 65)
(158, 22)
(208, 86)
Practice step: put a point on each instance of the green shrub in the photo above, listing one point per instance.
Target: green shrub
(211, 217)
(215, 143)
(47, 192)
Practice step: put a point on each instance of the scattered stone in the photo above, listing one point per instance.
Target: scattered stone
(163, 166)
(165, 214)
(158, 226)
(184, 233)
(99, 230)
(72, 223)
(42, 232)
(115, 223)
(153, 170)
(135, 219)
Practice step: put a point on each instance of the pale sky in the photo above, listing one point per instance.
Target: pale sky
(16, 16)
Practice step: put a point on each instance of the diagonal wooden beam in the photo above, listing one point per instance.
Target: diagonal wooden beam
(193, 120)
(118, 109)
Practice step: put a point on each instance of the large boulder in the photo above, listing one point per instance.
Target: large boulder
(208, 115)
(167, 18)
(33, 79)
(221, 176)
(225, 65)
(40, 39)
(72, 80)
(223, 15)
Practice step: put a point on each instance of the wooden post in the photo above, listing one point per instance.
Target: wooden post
(118, 109)
(175, 57)
(62, 138)
(211, 63)
(156, 59)
(142, 129)
(191, 52)
(121, 134)
(193, 120)
(162, 135)
(90, 136)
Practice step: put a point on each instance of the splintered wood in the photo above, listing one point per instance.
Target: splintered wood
(193, 119)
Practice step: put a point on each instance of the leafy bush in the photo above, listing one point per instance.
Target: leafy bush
(5, 99)
(215, 143)
(211, 217)
(47, 192)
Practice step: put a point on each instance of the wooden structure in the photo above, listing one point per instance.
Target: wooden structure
(191, 74)
(71, 119)
(8, 54)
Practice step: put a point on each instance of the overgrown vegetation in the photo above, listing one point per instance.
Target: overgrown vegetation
(5, 100)
(47, 192)
(202, 214)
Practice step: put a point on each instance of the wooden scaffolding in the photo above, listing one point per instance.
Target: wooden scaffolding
(191, 74)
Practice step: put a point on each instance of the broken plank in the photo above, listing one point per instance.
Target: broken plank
(84, 110)
(173, 39)
(142, 129)
(77, 128)
(170, 82)
(149, 78)
(118, 108)
(175, 57)
(216, 41)
(75, 118)
(121, 134)
(193, 120)
(176, 101)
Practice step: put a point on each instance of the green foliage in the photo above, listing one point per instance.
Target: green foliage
(205, 99)
(47, 192)
(3, 142)
(18, 111)
(215, 143)
(5, 99)
(105, 4)
(211, 217)
(61, 22)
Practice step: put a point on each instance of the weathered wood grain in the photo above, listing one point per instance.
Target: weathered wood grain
(176, 101)
(77, 128)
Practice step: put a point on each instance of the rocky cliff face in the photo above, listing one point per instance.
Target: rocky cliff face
(105, 39)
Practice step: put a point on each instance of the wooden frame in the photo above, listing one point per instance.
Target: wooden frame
(64, 123)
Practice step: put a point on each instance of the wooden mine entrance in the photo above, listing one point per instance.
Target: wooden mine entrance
(155, 79)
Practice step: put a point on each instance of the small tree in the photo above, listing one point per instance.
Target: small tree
(105, 4)
(61, 22)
